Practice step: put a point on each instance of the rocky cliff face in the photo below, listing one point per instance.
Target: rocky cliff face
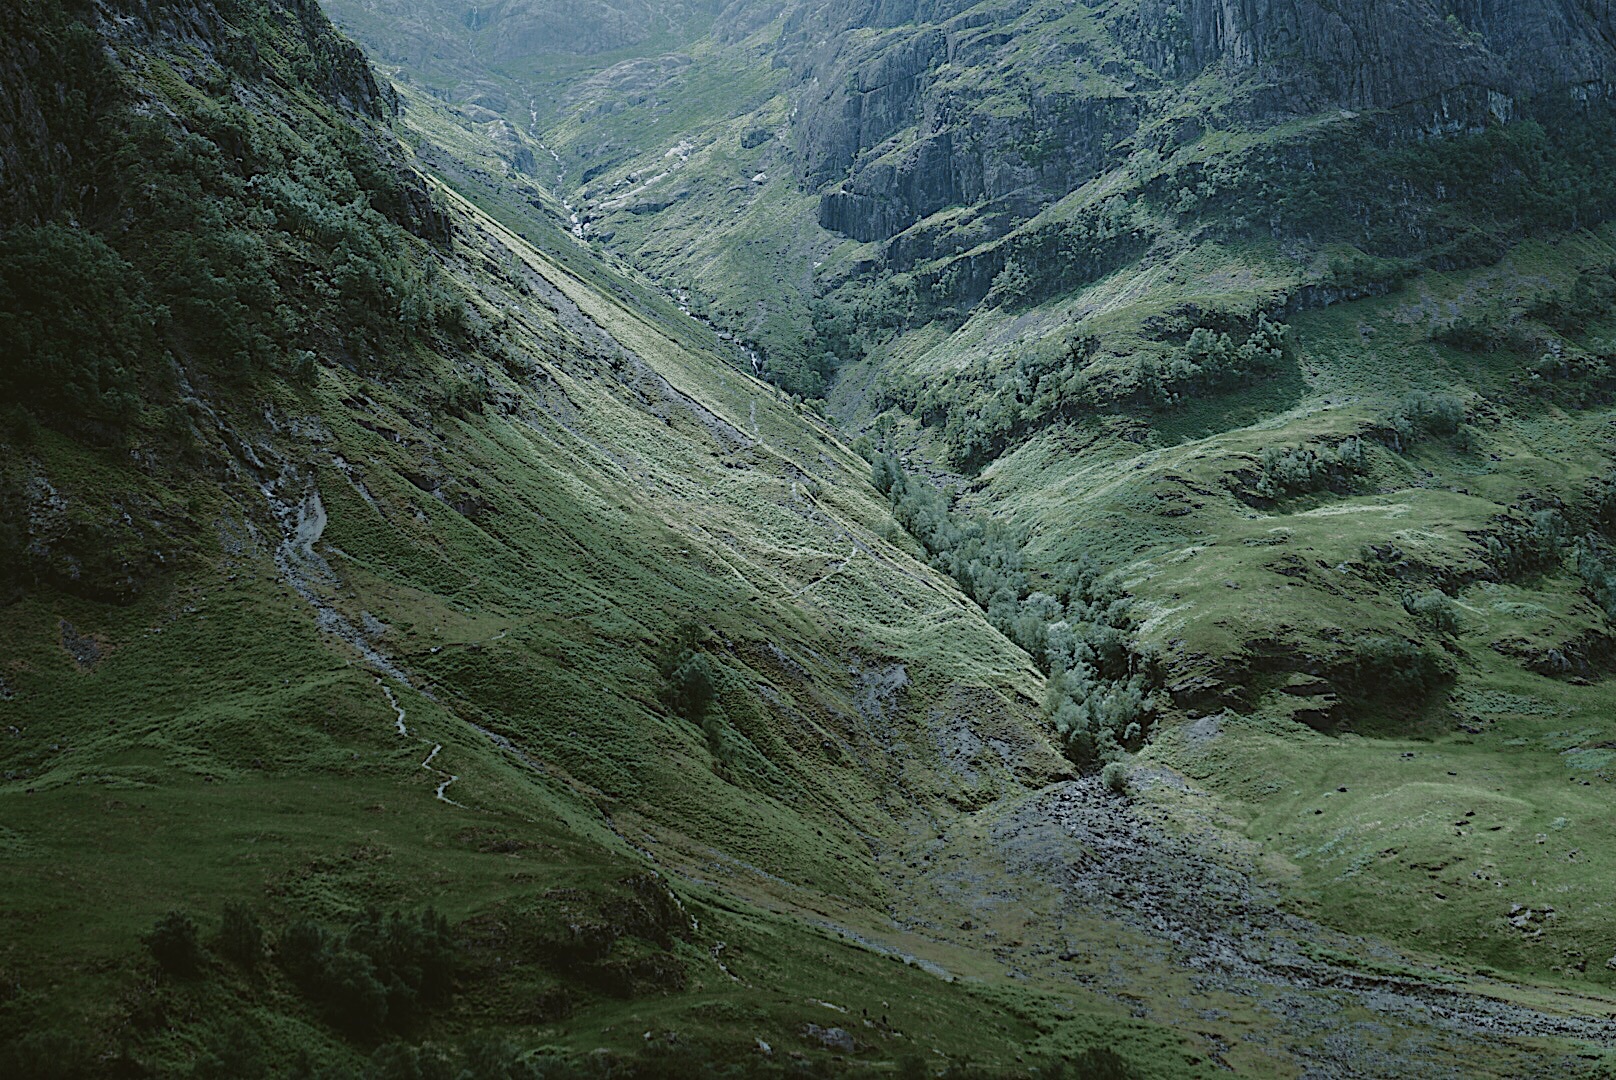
(907, 108)
(1378, 56)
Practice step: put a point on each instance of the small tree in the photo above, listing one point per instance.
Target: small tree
(689, 677)
(174, 945)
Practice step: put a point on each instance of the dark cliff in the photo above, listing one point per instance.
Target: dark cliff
(908, 108)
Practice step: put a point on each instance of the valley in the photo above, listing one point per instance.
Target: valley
(804, 539)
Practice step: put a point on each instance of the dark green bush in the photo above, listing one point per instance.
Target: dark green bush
(1394, 669)
(241, 938)
(1435, 610)
(173, 943)
(688, 676)
(381, 972)
(1469, 334)
(1115, 777)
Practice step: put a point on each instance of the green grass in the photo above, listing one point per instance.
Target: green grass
(625, 475)
(524, 565)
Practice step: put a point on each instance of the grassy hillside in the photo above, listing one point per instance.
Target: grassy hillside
(342, 635)
(1374, 529)
(376, 544)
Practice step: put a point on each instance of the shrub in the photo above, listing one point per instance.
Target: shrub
(885, 473)
(1010, 286)
(381, 972)
(463, 396)
(1094, 1063)
(1523, 548)
(1100, 1063)
(1115, 777)
(1305, 469)
(173, 944)
(1420, 415)
(241, 938)
(1469, 335)
(234, 1052)
(689, 678)
(44, 1055)
(1598, 572)
(1433, 609)
(1394, 669)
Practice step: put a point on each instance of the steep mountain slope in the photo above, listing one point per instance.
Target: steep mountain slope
(1295, 317)
(348, 620)
(374, 544)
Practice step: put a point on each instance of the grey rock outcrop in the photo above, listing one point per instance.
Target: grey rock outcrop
(907, 107)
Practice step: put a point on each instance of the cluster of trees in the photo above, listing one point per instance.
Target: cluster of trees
(1075, 623)
(1566, 372)
(1304, 469)
(839, 330)
(1211, 362)
(985, 408)
(377, 973)
(205, 235)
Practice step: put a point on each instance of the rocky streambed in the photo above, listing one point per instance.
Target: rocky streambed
(1073, 886)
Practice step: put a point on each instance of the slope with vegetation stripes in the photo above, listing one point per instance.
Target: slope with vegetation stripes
(971, 864)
